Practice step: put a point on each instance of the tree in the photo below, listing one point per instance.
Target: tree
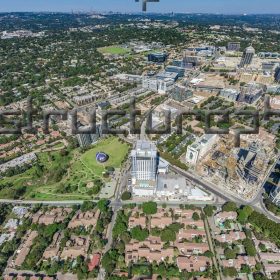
(229, 253)
(258, 266)
(244, 213)
(208, 254)
(262, 247)
(230, 271)
(195, 216)
(249, 247)
(126, 196)
(264, 224)
(168, 235)
(245, 268)
(109, 261)
(103, 205)
(150, 208)
(139, 234)
(125, 237)
(209, 210)
(259, 276)
(87, 205)
(229, 206)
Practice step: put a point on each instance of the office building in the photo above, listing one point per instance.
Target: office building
(177, 63)
(275, 196)
(247, 57)
(230, 94)
(172, 186)
(165, 85)
(277, 75)
(190, 60)
(268, 66)
(199, 148)
(233, 46)
(268, 55)
(160, 85)
(144, 168)
(175, 69)
(273, 89)
(157, 57)
(180, 93)
(88, 139)
(150, 83)
(251, 93)
(167, 75)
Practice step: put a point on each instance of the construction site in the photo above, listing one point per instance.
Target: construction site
(240, 170)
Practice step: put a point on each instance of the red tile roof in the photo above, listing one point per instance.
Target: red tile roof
(94, 262)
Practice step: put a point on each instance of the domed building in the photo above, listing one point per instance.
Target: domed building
(101, 157)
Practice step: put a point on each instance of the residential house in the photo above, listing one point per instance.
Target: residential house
(187, 248)
(151, 249)
(193, 263)
(231, 236)
(189, 234)
(223, 216)
(136, 221)
(25, 248)
(239, 261)
(53, 250)
(76, 246)
(85, 219)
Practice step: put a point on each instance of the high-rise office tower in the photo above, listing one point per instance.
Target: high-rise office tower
(247, 57)
(144, 161)
(144, 168)
(275, 196)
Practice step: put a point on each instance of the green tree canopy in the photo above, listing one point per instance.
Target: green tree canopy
(168, 235)
(149, 208)
(195, 216)
(139, 234)
(103, 205)
(209, 210)
(229, 206)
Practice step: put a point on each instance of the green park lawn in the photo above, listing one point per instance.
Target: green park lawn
(60, 176)
(113, 50)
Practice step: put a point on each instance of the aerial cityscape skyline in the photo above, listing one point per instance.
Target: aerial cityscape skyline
(164, 6)
(139, 146)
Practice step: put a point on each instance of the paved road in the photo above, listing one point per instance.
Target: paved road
(259, 195)
(210, 242)
(259, 206)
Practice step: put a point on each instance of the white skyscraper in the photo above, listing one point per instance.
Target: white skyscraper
(144, 168)
(199, 148)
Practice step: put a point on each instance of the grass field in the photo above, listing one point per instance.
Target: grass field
(60, 176)
(114, 50)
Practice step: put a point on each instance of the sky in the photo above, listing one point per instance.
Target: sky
(182, 6)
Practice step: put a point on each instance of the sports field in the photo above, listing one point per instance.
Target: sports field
(114, 50)
(66, 175)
